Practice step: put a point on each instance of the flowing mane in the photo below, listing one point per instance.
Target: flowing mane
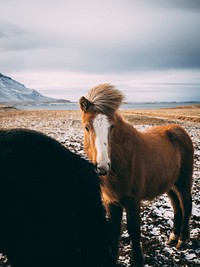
(105, 98)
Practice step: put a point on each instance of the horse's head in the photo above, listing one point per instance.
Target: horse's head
(98, 120)
(98, 129)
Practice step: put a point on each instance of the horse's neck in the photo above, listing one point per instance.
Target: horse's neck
(125, 142)
(124, 131)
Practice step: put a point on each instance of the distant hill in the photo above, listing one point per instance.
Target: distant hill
(13, 91)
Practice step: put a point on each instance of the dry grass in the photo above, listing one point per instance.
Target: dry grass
(10, 118)
(37, 118)
(157, 116)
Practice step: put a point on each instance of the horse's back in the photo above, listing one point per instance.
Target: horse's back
(28, 142)
(174, 133)
(172, 139)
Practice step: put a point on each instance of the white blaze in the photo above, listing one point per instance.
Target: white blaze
(101, 126)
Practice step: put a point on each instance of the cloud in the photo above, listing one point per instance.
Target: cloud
(181, 5)
(173, 85)
(102, 39)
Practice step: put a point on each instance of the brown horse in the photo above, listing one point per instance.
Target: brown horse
(136, 166)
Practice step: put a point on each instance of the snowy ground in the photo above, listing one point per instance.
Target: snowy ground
(156, 216)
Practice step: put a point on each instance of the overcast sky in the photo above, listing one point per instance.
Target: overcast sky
(150, 49)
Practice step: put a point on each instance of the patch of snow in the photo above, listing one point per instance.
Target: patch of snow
(13, 91)
(196, 210)
(190, 256)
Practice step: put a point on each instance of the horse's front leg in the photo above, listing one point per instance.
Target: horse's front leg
(133, 224)
(114, 213)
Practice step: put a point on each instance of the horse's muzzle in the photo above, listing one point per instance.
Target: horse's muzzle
(103, 169)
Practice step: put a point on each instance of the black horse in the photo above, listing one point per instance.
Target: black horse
(51, 212)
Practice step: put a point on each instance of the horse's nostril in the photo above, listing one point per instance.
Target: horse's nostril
(103, 169)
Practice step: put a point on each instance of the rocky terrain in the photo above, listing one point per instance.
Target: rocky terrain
(65, 126)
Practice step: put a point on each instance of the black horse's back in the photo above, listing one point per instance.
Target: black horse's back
(51, 209)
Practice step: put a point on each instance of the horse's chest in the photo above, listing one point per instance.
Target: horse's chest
(111, 189)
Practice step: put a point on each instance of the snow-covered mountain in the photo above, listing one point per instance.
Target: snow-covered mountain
(13, 91)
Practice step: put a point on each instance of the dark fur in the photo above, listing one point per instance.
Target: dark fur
(51, 212)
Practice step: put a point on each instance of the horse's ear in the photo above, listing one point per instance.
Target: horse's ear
(85, 104)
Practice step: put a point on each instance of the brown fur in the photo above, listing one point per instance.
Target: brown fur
(143, 166)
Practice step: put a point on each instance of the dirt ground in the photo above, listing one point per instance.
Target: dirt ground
(65, 126)
(10, 116)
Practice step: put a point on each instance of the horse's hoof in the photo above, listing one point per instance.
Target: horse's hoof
(171, 242)
(173, 239)
(182, 244)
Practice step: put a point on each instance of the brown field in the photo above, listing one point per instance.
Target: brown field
(10, 117)
(184, 113)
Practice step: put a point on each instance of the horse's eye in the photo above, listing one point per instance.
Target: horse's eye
(87, 128)
(111, 127)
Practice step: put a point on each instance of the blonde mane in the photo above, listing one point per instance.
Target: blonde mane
(105, 98)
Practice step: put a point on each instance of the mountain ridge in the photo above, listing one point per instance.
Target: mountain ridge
(13, 91)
